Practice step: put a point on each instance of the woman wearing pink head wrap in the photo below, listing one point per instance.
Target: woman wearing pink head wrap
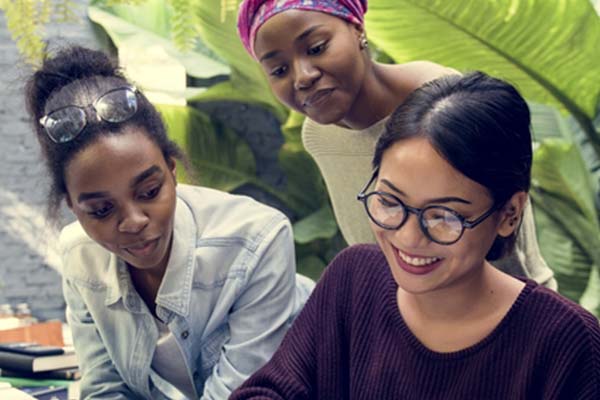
(315, 55)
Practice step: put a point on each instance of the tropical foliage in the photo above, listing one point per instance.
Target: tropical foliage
(548, 49)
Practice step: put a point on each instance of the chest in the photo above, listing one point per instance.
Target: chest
(388, 366)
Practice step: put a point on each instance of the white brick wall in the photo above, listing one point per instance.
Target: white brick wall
(27, 252)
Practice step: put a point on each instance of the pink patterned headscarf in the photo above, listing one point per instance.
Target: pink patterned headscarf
(254, 13)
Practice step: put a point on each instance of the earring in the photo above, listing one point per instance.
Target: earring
(364, 43)
(513, 221)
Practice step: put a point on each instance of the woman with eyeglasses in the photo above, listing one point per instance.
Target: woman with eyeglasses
(172, 291)
(424, 314)
(316, 58)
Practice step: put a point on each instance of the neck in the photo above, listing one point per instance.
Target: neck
(374, 101)
(147, 281)
(473, 296)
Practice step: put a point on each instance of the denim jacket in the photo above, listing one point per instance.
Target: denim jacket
(228, 295)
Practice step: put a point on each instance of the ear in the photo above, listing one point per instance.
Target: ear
(172, 164)
(511, 214)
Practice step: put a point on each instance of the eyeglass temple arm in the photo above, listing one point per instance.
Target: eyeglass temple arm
(361, 194)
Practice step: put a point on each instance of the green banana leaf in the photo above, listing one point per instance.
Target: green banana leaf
(590, 299)
(548, 122)
(548, 49)
(319, 225)
(217, 21)
(219, 158)
(142, 35)
(311, 266)
(566, 218)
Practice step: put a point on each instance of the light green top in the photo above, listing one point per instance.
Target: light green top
(344, 158)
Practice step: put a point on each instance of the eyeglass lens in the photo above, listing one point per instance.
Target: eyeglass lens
(440, 224)
(117, 105)
(64, 124)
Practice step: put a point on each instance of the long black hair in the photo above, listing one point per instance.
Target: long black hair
(480, 125)
(78, 76)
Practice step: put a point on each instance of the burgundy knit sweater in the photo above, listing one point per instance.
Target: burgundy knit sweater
(350, 342)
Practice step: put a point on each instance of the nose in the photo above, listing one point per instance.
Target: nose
(306, 74)
(410, 235)
(133, 220)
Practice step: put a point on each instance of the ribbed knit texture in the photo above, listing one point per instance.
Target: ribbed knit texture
(350, 341)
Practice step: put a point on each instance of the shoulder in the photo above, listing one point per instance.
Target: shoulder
(409, 76)
(352, 286)
(560, 320)
(358, 255)
(82, 258)
(360, 265)
(219, 215)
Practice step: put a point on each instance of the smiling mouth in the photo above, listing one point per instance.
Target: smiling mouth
(317, 98)
(417, 261)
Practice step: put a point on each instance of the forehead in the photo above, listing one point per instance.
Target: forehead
(416, 168)
(282, 29)
(112, 161)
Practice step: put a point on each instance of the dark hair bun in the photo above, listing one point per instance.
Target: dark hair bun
(65, 66)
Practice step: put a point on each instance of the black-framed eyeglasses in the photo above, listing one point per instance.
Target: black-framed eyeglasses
(66, 123)
(438, 223)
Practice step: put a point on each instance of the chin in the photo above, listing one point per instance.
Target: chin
(326, 116)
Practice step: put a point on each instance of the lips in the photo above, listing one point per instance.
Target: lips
(416, 265)
(143, 248)
(317, 98)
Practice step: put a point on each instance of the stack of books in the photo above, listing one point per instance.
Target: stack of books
(34, 361)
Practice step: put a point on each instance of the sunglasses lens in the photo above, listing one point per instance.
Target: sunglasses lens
(65, 124)
(117, 106)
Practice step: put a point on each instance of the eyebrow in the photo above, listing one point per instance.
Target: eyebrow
(300, 37)
(134, 182)
(448, 199)
(145, 175)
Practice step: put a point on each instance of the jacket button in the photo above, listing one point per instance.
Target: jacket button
(196, 375)
(185, 334)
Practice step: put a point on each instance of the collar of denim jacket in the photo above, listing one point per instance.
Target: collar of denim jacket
(176, 287)
(174, 293)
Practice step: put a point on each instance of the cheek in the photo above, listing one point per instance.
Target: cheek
(348, 66)
(472, 246)
(282, 89)
(102, 232)
(163, 211)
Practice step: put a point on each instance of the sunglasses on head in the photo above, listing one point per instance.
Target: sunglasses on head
(66, 123)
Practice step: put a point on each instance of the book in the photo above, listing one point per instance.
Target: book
(9, 392)
(29, 363)
(31, 349)
(63, 374)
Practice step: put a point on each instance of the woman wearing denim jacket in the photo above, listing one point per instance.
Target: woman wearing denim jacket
(172, 291)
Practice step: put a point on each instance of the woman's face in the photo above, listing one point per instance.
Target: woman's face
(416, 174)
(122, 191)
(313, 62)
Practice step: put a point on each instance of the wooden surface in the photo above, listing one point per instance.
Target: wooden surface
(46, 333)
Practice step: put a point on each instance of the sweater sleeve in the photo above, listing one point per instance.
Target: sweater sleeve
(310, 345)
